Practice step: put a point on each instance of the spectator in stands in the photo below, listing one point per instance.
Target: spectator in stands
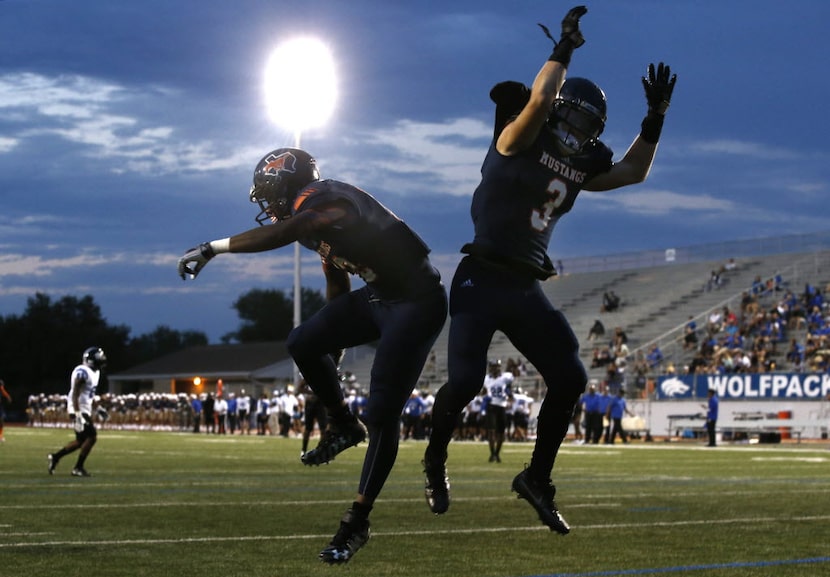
(730, 265)
(711, 415)
(698, 363)
(714, 281)
(596, 331)
(654, 356)
(619, 337)
(715, 322)
(795, 355)
(690, 334)
(601, 357)
(749, 303)
(610, 302)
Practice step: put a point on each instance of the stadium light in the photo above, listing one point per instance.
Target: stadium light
(300, 93)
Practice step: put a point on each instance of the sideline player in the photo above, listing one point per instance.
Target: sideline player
(545, 149)
(402, 306)
(84, 381)
(498, 384)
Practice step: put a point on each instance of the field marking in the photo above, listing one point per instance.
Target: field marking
(800, 459)
(684, 568)
(616, 499)
(424, 532)
(280, 503)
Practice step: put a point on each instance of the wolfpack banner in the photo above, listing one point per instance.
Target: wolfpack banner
(806, 386)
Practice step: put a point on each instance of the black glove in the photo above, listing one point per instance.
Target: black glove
(659, 86)
(570, 38)
(570, 26)
(195, 259)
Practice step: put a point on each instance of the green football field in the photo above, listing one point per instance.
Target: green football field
(179, 504)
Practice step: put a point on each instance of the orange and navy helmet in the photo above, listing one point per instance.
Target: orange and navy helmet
(278, 177)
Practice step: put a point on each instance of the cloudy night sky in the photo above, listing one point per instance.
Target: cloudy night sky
(129, 132)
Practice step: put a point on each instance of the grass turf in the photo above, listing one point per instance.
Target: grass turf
(172, 504)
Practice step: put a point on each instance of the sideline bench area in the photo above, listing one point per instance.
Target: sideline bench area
(749, 425)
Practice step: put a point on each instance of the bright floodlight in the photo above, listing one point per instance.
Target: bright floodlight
(300, 88)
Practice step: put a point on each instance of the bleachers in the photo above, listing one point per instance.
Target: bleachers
(656, 303)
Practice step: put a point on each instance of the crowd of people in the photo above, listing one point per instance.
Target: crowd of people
(284, 413)
(771, 329)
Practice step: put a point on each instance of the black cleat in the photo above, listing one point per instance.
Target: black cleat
(80, 472)
(436, 486)
(53, 462)
(352, 535)
(540, 495)
(337, 438)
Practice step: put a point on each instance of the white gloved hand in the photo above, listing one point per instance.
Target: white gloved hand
(80, 423)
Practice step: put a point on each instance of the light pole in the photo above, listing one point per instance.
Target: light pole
(300, 92)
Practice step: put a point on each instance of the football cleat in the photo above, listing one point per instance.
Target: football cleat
(337, 438)
(53, 462)
(352, 535)
(80, 472)
(436, 486)
(540, 495)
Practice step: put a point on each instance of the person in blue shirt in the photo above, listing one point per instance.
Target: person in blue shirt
(711, 415)
(617, 409)
(196, 408)
(413, 415)
(605, 424)
(593, 415)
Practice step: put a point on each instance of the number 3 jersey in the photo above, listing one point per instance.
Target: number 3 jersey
(520, 198)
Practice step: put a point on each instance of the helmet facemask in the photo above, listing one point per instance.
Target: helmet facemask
(575, 124)
(272, 199)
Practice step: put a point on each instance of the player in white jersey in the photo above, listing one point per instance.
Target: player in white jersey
(83, 382)
(497, 384)
(522, 406)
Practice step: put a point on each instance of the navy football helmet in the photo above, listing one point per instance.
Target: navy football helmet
(95, 358)
(578, 115)
(278, 177)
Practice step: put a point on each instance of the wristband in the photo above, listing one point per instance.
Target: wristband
(221, 245)
(562, 52)
(651, 127)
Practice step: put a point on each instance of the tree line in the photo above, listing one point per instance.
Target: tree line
(39, 347)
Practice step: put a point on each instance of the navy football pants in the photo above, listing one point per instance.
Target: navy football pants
(482, 301)
(405, 330)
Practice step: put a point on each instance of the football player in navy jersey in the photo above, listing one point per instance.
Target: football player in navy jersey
(544, 151)
(402, 306)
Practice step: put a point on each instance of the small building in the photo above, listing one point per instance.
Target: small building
(256, 367)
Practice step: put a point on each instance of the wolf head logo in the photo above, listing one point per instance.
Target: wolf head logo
(674, 387)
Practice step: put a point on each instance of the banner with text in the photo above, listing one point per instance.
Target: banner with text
(804, 386)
